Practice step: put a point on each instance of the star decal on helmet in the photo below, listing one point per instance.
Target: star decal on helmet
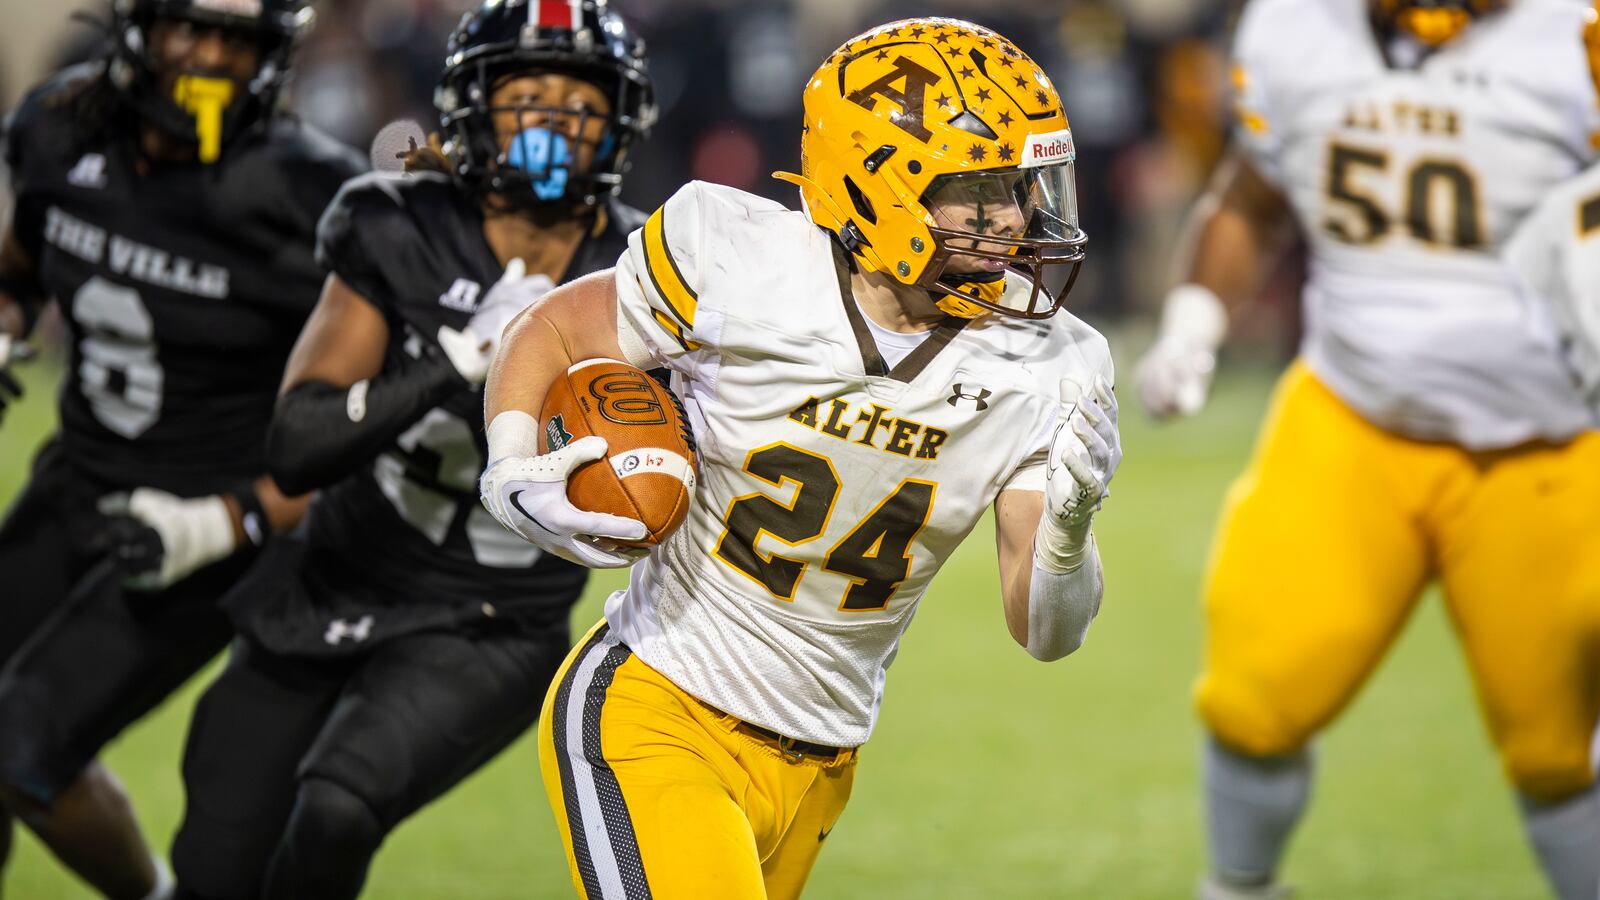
(966, 72)
(1021, 82)
(917, 31)
(953, 52)
(941, 100)
(1042, 97)
(941, 38)
(894, 32)
(1005, 61)
(1005, 117)
(983, 93)
(881, 54)
(977, 152)
(1005, 152)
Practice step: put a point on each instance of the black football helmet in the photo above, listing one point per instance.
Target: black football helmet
(276, 25)
(581, 38)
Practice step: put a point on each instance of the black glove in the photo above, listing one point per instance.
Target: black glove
(132, 546)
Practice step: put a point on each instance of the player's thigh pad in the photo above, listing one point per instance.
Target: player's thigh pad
(1521, 565)
(250, 731)
(104, 660)
(1317, 561)
(656, 795)
(423, 711)
(41, 552)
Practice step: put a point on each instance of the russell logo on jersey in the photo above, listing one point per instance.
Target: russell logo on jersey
(462, 296)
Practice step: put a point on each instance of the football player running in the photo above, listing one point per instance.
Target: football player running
(170, 211)
(1426, 432)
(402, 638)
(857, 409)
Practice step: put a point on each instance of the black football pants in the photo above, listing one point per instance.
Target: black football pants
(83, 658)
(296, 769)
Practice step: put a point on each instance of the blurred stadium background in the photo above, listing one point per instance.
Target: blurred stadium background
(990, 775)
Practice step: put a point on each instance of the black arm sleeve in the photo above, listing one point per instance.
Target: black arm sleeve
(320, 433)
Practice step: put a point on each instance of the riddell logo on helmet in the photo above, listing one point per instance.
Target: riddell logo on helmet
(1048, 148)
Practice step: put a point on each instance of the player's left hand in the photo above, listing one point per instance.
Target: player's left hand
(1084, 456)
(472, 349)
(158, 539)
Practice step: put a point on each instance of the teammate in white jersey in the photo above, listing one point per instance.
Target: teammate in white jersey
(861, 392)
(1427, 432)
(1555, 257)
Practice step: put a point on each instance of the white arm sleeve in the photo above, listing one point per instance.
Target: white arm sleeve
(1060, 607)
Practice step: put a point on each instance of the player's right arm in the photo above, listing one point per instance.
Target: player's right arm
(525, 490)
(1236, 235)
(643, 312)
(1240, 227)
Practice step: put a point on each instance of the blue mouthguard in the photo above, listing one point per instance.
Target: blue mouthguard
(540, 151)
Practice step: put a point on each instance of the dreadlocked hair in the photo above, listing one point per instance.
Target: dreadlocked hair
(429, 157)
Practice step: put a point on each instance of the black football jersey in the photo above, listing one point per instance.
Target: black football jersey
(411, 522)
(183, 287)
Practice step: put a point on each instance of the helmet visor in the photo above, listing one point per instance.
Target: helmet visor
(986, 223)
(1037, 206)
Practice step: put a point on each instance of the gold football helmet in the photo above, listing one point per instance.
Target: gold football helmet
(940, 155)
(1433, 22)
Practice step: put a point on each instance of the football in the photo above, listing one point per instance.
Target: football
(649, 469)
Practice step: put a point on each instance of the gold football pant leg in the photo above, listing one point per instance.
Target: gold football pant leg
(1318, 560)
(1520, 559)
(656, 794)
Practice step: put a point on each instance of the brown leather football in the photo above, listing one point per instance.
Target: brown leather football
(649, 469)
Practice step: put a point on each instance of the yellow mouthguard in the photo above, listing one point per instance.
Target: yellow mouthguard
(206, 99)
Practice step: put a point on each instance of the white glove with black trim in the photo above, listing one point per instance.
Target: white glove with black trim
(159, 539)
(1174, 375)
(1084, 455)
(472, 349)
(528, 495)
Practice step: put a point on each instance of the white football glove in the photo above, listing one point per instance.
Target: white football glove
(190, 534)
(1084, 455)
(1175, 374)
(528, 495)
(472, 349)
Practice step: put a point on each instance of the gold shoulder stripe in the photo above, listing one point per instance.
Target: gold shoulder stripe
(674, 329)
(669, 324)
(663, 271)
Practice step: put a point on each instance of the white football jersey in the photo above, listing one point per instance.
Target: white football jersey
(1406, 180)
(1555, 257)
(831, 487)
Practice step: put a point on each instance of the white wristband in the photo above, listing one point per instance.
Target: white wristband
(1194, 315)
(513, 433)
(1060, 549)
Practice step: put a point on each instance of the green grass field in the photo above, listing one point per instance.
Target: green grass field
(992, 775)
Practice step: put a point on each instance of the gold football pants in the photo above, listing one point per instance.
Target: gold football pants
(1329, 538)
(659, 795)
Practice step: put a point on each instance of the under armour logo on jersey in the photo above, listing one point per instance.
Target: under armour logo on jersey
(339, 629)
(462, 296)
(980, 400)
(90, 172)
